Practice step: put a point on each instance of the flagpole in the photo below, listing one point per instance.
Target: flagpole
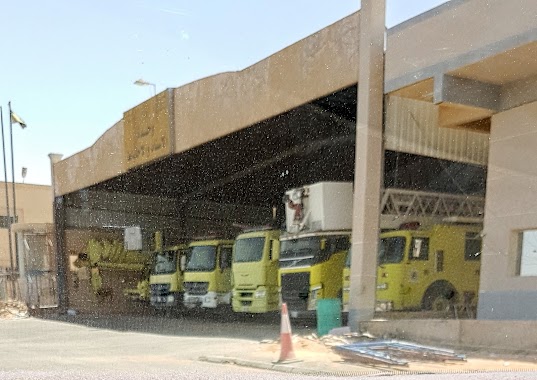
(7, 189)
(13, 180)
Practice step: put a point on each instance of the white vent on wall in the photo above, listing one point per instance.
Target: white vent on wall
(133, 238)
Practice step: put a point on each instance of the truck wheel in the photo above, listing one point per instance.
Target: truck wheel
(439, 296)
(440, 303)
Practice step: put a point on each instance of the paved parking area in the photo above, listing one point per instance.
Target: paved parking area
(158, 345)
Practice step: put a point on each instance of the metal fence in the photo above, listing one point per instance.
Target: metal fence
(9, 288)
(41, 289)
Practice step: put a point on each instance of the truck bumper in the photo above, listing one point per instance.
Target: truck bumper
(246, 305)
(252, 301)
(209, 300)
(165, 301)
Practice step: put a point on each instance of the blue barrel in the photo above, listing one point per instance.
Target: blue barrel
(328, 315)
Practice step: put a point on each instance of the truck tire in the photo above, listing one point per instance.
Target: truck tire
(439, 296)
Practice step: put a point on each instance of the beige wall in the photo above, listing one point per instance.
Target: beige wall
(34, 205)
(511, 206)
(313, 67)
(442, 40)
(453, 35)
(216, 106)
(101, 161)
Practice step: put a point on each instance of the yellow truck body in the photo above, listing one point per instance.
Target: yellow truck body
(166, 278)
(346, 282)
(207, 277)
(429, 269)
(255, 272)
(311, 266)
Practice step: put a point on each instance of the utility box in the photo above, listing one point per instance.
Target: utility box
(324, 206)
(133, 238)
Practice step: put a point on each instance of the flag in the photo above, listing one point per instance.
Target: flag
(17, 119)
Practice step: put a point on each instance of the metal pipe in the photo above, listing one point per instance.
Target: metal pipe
(8, 216)
(13, 183)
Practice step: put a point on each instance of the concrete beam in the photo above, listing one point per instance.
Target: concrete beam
(88, 218)
(518, 93)
(124, 202)
(456, 115)
(466, 92)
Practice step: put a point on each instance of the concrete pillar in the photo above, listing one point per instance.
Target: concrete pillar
(368, 165)
(54, 158)
(58, 220)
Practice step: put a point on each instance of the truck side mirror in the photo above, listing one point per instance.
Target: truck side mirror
(182, 263)
(225, 258)
(275, 250)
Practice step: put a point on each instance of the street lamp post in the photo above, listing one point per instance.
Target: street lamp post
(8, 216)
(141, 82)
(17, 120)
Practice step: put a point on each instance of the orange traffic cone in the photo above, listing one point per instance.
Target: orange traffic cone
(287, 354)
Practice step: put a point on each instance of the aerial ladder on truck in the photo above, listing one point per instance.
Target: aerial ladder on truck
(318, 231)
(399, 206)
(429, 252)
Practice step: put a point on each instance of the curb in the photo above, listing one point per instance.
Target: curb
(287, 368)
(322, 373)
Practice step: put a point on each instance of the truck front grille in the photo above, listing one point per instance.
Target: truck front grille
(160, 289)
(196, 288)
(295, 290)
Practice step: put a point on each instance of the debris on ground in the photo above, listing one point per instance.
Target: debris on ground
(13, 310)
(366, 349)
(395, 352)
(327, 340)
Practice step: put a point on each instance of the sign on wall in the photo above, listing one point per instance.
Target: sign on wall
(148, 130)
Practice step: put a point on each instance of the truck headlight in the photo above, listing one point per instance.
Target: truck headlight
(170, 298)
(315, 293)
(384, 306)
(382, 286)
(261, 293)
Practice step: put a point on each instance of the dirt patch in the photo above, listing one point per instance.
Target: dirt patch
(312, 349)
(13, 310)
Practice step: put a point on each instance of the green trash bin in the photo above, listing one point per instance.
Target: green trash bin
(328, 315)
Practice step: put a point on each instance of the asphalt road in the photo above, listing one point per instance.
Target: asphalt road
(111, 348)
(197, 324)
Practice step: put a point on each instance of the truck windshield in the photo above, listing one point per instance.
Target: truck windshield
(300, 252)
(391, 250)
(201, 259)
(249, 250)
(165, 263)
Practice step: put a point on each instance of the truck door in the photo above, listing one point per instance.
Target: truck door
(223, 274)
(273, 263)
(418, 273)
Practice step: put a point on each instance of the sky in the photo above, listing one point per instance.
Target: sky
(68, 67)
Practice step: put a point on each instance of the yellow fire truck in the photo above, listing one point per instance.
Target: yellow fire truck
(425, 268)
(428, 268)
(166, 278)
(207, 278)
(255, 271)
(314, 247)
